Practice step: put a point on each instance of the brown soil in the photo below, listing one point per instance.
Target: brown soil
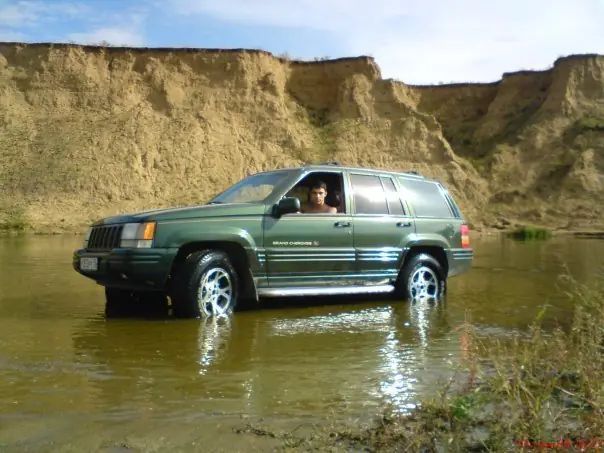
(87, 132)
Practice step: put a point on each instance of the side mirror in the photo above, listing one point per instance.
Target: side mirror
(286, 205)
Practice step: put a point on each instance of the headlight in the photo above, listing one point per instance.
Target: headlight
(137, 235)
(87, 237)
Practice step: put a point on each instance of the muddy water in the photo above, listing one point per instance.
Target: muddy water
(70, 379)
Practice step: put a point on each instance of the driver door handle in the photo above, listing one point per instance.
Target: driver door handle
(403, 224)
(342, 224)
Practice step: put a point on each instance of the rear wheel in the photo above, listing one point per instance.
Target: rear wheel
(422, 278)
(205, 285)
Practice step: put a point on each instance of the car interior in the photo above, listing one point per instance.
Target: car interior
(335, 193)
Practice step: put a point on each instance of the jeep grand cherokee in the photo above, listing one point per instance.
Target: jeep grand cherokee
(390, 233)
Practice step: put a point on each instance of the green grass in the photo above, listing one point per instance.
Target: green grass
(590, 123)
(529, 233)
(13, 220)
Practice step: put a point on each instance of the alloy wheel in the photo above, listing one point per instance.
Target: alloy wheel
(215, 293)
(424, 284)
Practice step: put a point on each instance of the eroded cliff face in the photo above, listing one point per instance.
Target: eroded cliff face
(537, 138)
(87, 132)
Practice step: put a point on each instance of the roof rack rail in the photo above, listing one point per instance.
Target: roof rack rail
(413, 172)
(332, 162)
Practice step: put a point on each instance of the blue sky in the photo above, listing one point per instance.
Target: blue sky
(416, 41)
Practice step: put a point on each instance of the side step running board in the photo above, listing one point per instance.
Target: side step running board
(322, 291)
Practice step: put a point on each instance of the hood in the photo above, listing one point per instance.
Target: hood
(188, 212)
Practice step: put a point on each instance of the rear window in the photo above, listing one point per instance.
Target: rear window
(369, 196)
(426, 197)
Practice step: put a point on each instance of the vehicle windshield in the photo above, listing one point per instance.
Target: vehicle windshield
(253, 189)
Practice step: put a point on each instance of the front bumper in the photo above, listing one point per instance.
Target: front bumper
(135, 269)
(460, 261)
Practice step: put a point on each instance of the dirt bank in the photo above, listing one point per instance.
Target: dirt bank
(87, 132)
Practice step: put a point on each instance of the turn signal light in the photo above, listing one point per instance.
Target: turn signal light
(138, 235)
(148, 231)
(465, 236)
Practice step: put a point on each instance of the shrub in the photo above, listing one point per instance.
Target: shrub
(590, 123)
(13, 220)
(528, 233)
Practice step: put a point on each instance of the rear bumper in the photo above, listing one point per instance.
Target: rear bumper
(460, 261)
(136, 269)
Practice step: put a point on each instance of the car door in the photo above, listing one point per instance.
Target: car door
(309, 250)
(382, 227)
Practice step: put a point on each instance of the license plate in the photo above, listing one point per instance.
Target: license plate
(88, 263)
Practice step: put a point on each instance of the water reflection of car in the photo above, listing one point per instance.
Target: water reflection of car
(391, 233)
(295, 360)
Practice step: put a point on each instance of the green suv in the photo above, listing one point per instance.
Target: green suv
(314, 230)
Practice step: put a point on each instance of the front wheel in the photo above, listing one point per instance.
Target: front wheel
(205, 285)
(422, 278)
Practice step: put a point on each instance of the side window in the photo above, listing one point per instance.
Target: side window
(334, 185)
(426, 197)
(395, 205)
(369, 196)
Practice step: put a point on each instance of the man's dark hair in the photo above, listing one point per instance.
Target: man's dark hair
(318, 184)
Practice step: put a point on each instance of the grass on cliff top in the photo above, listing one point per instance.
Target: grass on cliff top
(534, 392)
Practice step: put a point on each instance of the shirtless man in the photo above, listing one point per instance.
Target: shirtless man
(316, 200)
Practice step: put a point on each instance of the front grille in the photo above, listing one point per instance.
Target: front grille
(105, 237)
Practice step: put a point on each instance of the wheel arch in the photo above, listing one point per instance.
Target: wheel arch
(435, 251)
(237, 255)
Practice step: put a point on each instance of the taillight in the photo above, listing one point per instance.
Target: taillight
(465, 236)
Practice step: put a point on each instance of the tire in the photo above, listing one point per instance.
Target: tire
(422, 278)
(122, 302)
(205, 285)
(119, 302)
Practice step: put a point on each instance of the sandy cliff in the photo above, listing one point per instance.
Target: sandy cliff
(87, 132)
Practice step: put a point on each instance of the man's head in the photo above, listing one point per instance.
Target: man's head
(317, 192)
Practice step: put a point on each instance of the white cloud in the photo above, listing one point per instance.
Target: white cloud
(31, 12)
(426, 41)
(35, 20)
(485, 39)
(18, 14)
(113, 36)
